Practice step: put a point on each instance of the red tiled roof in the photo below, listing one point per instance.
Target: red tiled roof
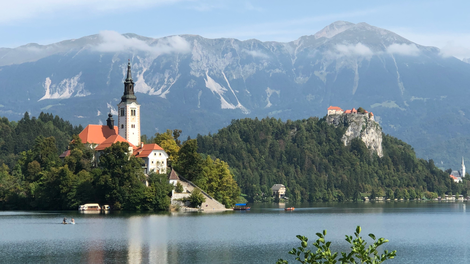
(146, 150)
(65, 154)
(371, 114)
(111, 140)
(453, 177)
(334, 108)
(347, 112)
(96, 134)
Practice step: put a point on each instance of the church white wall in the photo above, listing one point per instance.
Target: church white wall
(129, 125)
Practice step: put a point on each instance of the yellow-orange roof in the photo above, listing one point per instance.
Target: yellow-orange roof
(146, 150)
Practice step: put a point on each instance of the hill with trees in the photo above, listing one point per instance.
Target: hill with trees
(16, 137)
(309, 158)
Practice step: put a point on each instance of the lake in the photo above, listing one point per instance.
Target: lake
(422, 232)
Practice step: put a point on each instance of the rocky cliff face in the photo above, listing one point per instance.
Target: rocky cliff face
(360, 125)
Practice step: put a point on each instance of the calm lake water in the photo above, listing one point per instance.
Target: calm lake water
(422, 232)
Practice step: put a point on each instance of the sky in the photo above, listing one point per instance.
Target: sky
(442, 24)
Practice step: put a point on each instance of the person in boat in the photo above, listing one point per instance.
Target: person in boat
(64, 221)
(72, 221)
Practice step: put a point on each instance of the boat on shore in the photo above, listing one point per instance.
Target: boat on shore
(289, 209)
(241, 207)
(89, 207)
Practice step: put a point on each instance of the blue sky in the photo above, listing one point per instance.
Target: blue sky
(444, 24)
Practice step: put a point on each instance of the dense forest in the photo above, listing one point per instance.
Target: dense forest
(16, 137)
(308, 157)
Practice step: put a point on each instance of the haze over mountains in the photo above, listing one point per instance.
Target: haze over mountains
(199, 85)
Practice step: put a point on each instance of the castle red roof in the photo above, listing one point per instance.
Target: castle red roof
(334, 108)
(347, 111)
(145, 151)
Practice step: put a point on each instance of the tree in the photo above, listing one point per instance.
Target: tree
(196, 198)
(179, 187)
(360, 252)
(169, 144)
(121, 175)
(189, 163)
(361, 110)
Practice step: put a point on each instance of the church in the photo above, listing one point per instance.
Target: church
(100, 137)
(458, 175)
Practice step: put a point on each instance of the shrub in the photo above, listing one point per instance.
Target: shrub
(360, 252)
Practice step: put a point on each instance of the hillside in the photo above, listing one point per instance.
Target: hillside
(310, 158)
(199, 85)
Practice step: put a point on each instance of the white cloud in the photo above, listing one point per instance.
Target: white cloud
(353, 50)
(112, 41)
(403, 49)
(256, 53)
(451, 44)
(458, 51)
(25, 9)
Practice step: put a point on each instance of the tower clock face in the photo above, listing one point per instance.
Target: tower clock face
(132, 119)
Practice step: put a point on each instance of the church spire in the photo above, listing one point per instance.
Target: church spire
(129, 74)
(129, 95)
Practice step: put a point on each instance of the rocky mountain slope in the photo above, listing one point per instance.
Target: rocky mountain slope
(361, 126)
(199, 85)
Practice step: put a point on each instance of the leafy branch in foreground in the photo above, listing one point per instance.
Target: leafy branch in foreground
(360, 253)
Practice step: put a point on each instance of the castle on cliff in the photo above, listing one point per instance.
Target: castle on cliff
(335, 110)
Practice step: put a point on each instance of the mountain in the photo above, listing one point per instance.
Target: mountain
(199, 85)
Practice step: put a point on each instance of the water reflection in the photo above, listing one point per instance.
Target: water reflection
(418, 230)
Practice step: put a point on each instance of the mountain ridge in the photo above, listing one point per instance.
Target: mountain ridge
(199, 85)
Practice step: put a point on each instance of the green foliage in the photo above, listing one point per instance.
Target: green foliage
(361, 110)
(214, 177)
(196, 198)
(310, 159)
(121, 177)
(360, 252)
(16, 137)
(40, 181)
(179, 187)
(168, 142)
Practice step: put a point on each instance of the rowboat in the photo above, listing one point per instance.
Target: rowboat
(241, 207)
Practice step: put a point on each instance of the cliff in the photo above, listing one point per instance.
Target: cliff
(359, 125)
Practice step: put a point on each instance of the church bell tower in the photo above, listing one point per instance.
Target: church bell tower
(129, 112)
(463, 168)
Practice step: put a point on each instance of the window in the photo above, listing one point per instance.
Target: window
(132, 112)
(133, 126)
(122, 111)
(122, 126)
(155, 154)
